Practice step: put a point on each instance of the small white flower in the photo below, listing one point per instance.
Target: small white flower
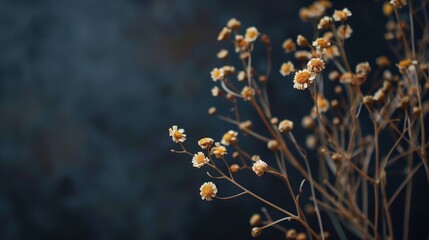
(199, 160)
(178, 135)
(259, 167)
(208, 191)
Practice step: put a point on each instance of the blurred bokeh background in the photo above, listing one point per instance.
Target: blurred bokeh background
(88, 90)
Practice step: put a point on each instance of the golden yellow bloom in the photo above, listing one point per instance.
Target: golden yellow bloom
(341, 15)
(321, 43)
(322, 103)
(285, 126)
(229, 138)
(218, 150)
(247, 93)
(344, 31)
(316, 65)
(208, 191)
(178, 135)
(302, 41)
(405, 65)
(233, 24)
(205, 142)
(288, 45)
(255, 220)
(287, 68)
(224, 34)
(331, 52)
(303, 79)
(251, 34)
(217, 74)
(387, 9)
(240, 43)
(382, 61)
(259, 167)
(199, 160)
(324, 23)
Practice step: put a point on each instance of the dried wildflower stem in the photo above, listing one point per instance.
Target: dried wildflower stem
(292, 216)
(231, 197)
(404, 183)
(407, 208)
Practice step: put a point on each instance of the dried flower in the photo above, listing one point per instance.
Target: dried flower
(273, 145)
(241, 75)
(224, 34)
(285, 126)
(287, 68)
(208, 191)
(310, 142)
(205, 142)
(240, 43)
(291, 234)
(233, 24)
(379, 95)
(302, 55)
(217, 74)
(387, 9)
(222, 54)
(344, 31)
(259, 167)
(302, 41)
(398, 3)
(234, 168)
(316, 65)
(256, 231)
(322, 103)
(218, 150)
(321, 43)
(199, 160)
(251, 34)
(405, 65)
(247, 93)
(228, 70)
(303, 79)
(341, 15)
(301, 236)
(255, 220)
(288, 45)
(212, 110)
(229, 138)
(178, 135)
(216, 92)
(324, 23)
(308, 122)
(334, 75)
(331, 52)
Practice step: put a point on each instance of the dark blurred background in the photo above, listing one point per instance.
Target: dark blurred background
(88, 90)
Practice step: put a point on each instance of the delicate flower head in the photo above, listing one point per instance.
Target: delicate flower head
(241, 43)
(302, 41)
(229, 138)
(398, 3)
(324, 23)
(222, 54)
(228, 70)
(233, 24)
(285, 126)
(247, 93)
(363, 69)
(208, 191)
(344, 31)
(331, 52)
(316, 65)
(216, 92)
(217, 74)
(205, 142)
(199, 160)
(288, 45)
(224, 34)
(251, 34)
(322, 103)
(218, 150)
(321, 43)
(259, 167)
(303, 79)
(302, 55)
(241, 76)
(341, 15)
(178, 135)
(405, 65)
(287, 68)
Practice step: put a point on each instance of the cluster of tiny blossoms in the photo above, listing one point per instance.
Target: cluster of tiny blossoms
(311, 62)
